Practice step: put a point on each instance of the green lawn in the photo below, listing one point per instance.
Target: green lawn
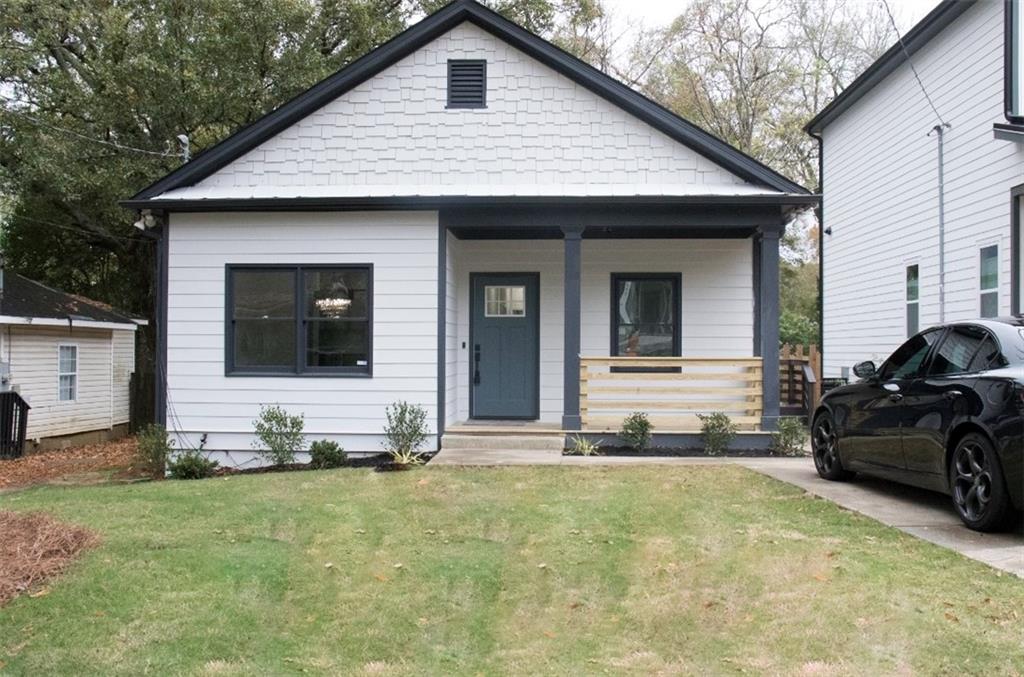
(502, 571)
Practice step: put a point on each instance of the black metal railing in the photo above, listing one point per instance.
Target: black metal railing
(13, 424)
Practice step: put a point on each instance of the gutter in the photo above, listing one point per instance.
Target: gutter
(69, 321)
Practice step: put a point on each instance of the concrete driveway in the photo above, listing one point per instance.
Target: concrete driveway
(924, 514)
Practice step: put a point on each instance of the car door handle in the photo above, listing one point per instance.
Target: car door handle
(952, 394)
(896, 397)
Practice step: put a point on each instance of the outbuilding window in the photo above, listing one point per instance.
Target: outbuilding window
(299, 320)
(67, 373)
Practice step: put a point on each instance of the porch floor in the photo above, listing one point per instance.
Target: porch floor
(515, 427)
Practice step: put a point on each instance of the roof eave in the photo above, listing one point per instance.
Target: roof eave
(916, 38)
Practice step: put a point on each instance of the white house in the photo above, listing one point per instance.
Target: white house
(69, 358)
(472, 220)
(897, 254)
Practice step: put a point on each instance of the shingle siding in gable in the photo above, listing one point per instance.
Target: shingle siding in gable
(539, 127)
(881, 192)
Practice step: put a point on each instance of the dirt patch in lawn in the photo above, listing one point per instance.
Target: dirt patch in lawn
(34, 548)
(75, 465)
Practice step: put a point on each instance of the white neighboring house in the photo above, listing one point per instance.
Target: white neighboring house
(882, 275)
(70, 359)
(474, 221)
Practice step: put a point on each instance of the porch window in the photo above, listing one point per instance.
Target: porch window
(913, 296)
(989, 281)
(645, 315)
(299, 319)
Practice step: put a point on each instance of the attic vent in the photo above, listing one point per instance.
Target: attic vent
(467, 83)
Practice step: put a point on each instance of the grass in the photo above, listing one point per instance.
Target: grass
(501, 571)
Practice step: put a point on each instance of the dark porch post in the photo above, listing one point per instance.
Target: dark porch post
(769, 321)
(571, 352)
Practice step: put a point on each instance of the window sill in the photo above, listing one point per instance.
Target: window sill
(293, 374)
(1008, 132)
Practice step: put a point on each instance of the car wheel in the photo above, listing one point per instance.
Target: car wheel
(976, 483)
(825, 449)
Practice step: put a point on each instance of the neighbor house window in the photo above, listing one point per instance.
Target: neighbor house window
(645, 315)
(467, 83)
(989, 281)
(299, 319)
(913, 296)
(67, 373)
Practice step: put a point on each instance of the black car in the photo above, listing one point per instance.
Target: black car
(944, 412)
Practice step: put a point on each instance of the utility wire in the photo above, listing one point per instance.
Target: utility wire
(906, 53)
(112, 144)
(79, 231)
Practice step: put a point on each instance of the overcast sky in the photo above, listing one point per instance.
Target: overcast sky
(655, 13)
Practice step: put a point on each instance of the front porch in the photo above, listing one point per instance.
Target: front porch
(671, 314)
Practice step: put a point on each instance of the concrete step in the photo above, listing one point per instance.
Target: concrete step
(479, 442)
(471, 457)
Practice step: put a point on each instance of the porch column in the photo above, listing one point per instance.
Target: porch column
(768, 292)
(573, 236)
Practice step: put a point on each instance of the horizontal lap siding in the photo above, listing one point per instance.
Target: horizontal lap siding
(33, 356)
(881, 194)
(716, 305)
(402, 247)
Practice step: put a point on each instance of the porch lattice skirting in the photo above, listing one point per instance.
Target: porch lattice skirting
(611, 388)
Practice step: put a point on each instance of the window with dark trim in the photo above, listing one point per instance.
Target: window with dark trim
(299, 319)
(645, 317)
(988, 281)
(1013, 69)
(913, 302)
(467, 83)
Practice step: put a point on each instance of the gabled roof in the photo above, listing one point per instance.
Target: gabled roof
(916, 38)
(25, 298)
(426, 31)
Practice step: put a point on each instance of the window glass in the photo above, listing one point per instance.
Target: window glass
(913, 294)
(989, 281)
(987, 357)
(957, 349)
(906, 361)
(645, 317)
(67, 373)
(504, 301)
(331, 330)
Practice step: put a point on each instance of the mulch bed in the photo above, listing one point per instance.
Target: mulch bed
(376, 461)
(34, 548)
(683, 453)
(51, 466)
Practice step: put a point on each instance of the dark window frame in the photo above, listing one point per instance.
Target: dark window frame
(483, 93)
(676, 280)
(299, 369)
(1008, 62)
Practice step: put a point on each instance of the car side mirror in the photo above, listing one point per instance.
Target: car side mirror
(864, 369)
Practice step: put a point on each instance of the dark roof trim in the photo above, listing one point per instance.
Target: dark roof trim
(427, 30)
(432, 203)
(916, 38)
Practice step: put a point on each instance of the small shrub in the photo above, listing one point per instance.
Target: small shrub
(581, 446)
(279, 435)
(326, 454)
(155, 449)
(191, 465)
(636, 431)
(790, 437)
(717, 430)
(405, 432)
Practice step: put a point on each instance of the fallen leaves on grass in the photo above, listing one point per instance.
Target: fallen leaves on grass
(34, 548)
(49, 466)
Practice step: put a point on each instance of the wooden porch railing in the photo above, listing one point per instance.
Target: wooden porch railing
(798, 394)
(670, 390)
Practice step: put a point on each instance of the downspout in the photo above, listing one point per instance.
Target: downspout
(940, 130)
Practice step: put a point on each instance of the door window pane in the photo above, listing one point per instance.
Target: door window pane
(504, 301)
(906, 361)
(645, 317)
(957, 349)
(989, 281)
(987, 357)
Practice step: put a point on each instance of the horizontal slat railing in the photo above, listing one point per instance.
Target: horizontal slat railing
(673, 396)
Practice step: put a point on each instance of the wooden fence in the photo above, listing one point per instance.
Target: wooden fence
(672, 390)
(799, 378)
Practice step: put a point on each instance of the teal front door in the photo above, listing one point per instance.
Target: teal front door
(504, 341)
